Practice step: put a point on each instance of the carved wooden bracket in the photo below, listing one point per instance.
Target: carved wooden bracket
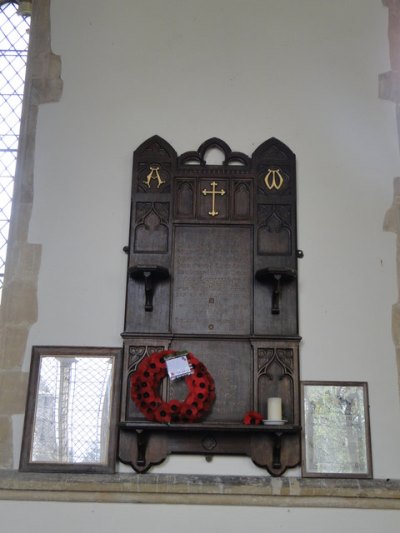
(151, 275)
(276, 276)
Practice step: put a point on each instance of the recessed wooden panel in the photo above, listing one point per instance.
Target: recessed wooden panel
(242, 200)
(151, 233)
(185, 198)
(275, 370)
(230, 364)
(213, 199)
(212, 287)
(274, 234)
(137, 318)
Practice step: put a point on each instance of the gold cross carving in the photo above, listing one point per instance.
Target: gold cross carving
(213, 192)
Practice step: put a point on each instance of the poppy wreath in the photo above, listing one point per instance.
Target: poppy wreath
(145, 386)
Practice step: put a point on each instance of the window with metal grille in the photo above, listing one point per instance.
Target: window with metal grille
(14, 38)
(72, 413)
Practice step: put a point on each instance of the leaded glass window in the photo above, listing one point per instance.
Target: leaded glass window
(14, 39)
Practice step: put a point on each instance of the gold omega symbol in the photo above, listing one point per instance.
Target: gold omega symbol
(274, 179)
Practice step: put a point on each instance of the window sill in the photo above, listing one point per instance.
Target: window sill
(208, 490)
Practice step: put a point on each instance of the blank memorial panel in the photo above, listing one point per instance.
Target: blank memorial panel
(212, 291)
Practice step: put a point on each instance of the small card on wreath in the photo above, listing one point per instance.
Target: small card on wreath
(178, 367)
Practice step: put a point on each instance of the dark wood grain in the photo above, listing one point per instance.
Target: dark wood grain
(213, 228)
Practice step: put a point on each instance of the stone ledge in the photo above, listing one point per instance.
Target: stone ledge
(209, 490)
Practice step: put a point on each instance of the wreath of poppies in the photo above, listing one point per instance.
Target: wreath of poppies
(145, 386)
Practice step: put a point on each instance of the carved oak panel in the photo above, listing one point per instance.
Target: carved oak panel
(212, 268)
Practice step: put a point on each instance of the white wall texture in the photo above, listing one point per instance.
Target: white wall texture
(103, 518)
(303, 71)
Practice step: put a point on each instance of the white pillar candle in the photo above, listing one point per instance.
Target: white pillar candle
(274, 408)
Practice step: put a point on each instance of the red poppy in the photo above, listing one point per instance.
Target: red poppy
(162, 414)
(252, 417)
(193, 361)
(175, 406)
(200, 383)
(189, 412)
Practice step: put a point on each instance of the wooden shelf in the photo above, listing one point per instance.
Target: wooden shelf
(215, 427)
(263, 443)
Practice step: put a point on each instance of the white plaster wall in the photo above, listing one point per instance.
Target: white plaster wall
(304, 71)
(103, 518)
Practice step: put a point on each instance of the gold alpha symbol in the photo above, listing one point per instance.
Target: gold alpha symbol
(154, 175)
(274, 179)
(213, 193)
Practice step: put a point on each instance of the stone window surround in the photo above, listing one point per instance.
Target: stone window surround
(19, 311)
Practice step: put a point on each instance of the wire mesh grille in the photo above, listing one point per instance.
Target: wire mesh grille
(73, 410)
(14, 39)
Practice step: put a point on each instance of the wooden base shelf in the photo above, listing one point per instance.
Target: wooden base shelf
(274, 447)
(217, 426)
